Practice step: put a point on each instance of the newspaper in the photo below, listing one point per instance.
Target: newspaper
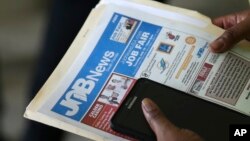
(124, 40)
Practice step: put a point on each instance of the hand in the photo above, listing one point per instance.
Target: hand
(162, 127)
(237, 28)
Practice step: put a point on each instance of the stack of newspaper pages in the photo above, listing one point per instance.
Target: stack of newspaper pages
(123, 40)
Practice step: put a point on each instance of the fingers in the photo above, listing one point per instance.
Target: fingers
(237, 28)
(230, 20)
(225, 22)
(161, 126)
(231, 36)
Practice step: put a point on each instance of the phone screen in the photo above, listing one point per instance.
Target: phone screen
(209, 120)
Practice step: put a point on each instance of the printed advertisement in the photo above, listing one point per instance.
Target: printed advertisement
(108, 74)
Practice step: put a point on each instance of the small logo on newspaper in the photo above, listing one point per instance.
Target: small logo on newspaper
(162, 65)
(171, 36)
(166, 48)
(145, 74)
(202, 50)
(190, 40)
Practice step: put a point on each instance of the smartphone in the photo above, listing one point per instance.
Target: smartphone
(209, 120)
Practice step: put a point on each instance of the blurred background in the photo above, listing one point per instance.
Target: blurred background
(23, 24)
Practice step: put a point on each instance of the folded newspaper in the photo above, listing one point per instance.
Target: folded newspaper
(123, 40)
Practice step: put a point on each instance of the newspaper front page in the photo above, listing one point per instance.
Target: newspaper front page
(126, 40)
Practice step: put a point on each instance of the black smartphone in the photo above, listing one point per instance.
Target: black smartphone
(209, 120)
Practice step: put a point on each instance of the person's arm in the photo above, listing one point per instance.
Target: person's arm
(162, 127)
(237, 26)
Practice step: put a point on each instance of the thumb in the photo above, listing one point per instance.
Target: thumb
(161, 126)
(231, 36)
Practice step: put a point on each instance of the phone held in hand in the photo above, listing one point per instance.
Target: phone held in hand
(209, 120)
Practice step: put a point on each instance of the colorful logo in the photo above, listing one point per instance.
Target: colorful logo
(162, 65)
(190, 40)
(202, 50)
(171, 36)
(167, 48)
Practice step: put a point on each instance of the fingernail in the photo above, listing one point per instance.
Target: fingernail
(217, 44)
(148, 105)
